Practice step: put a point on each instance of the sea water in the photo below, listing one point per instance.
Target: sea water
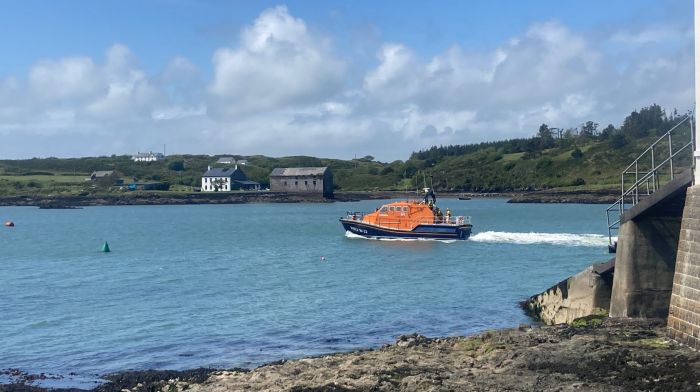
(245, 284)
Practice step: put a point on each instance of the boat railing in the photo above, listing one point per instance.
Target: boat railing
(401, 223)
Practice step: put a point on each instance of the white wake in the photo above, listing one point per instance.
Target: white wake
(565, 239)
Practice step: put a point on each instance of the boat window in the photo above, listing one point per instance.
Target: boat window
(391, 208)
(405, 208)
(383, 210)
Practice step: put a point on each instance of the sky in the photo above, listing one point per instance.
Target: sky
(333, 79)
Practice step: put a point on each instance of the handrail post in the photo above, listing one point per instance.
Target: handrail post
(636, 182)
(653, 168)
(622, 194)
(670, 153)
(693, 160)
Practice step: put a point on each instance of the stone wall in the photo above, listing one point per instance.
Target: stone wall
(684, 312)
(583, 294)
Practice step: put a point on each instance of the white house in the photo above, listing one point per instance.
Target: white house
(217, 179)
(148, 157)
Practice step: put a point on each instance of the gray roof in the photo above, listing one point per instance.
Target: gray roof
(219, 172)
(102, 173)
(298, 171)
(226, 160)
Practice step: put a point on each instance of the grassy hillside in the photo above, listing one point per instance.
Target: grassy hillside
(582, 158)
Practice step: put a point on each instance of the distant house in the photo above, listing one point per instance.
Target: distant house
(105, 176)
(148, 157)
(226, 161)
(99, 174)
(217, 179)
(242, 162)
(302, 179)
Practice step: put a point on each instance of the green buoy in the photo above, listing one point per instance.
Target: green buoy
(105, 247)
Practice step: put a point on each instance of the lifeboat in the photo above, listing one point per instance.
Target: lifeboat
(419, 219)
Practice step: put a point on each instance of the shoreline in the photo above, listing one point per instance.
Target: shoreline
(598, 354)
(154, 198)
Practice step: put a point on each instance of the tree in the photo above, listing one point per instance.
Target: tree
(607, 132)
(218, 184)
(618, 140)
(545, 135)
(577, 154)
(639, 124)
(589, 129)
(176, 166)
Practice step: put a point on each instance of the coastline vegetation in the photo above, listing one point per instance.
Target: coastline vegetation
(582, 158)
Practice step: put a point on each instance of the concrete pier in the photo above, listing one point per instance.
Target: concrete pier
(644, 267)
(645, 261)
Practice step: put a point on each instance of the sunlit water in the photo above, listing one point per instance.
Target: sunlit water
(241, 285)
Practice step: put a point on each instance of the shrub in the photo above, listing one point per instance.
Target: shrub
(578, 181)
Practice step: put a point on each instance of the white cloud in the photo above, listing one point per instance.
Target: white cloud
(650, 35)
(72, 78)
(285, 89)
(278, 64)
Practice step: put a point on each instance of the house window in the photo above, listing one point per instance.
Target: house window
(314, 182)
(306, 183)
(296, 182)
(285, 183)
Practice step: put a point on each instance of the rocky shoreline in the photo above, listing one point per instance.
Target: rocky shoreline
(592, 354)
(156, 198)
(580, 197)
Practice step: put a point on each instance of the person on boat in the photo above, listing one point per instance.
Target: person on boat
(438, 215)
(448, 214)
(429, 194)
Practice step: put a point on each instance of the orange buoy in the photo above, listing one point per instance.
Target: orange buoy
(9, 224)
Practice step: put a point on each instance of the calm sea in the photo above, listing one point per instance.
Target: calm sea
(241, 285)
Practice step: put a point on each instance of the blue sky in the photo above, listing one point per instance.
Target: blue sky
(327, 78)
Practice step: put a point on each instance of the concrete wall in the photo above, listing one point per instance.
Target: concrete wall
(583, 294)
(644, 266)
(684, 313)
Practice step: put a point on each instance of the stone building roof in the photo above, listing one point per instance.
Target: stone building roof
(298, 171)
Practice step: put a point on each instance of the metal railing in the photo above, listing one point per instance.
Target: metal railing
(400, 223)
(649, 171)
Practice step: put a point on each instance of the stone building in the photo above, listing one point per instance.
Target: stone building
(302, 179)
